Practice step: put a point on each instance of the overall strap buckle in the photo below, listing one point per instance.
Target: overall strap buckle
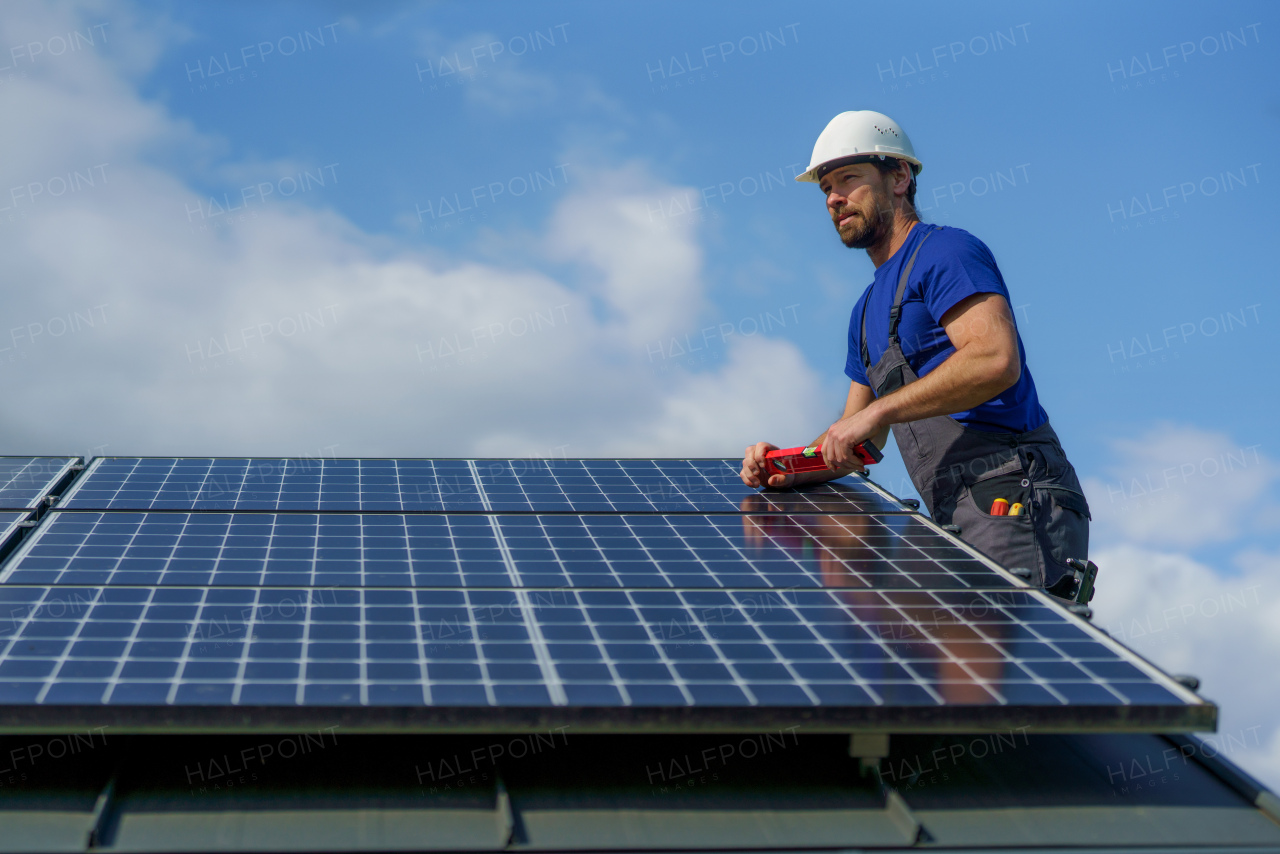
(895, 314)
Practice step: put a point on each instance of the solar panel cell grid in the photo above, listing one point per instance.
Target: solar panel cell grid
(486, 584)
(551, 647)
(24, 481)
(370, 550)
(9, 522)
(635, 486)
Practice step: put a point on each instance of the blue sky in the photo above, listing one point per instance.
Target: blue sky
(625, 170)
(1048, 110)
(1043, 133)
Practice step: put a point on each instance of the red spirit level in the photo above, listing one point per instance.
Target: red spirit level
(796, 460)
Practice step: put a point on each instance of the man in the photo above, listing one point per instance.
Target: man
(934, 354)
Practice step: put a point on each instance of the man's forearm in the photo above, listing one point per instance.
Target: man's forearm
(963, 381)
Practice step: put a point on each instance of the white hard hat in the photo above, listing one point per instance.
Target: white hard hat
(856, 135)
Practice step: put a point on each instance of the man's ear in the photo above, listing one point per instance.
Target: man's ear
(897, 174)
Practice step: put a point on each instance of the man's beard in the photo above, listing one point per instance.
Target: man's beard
(862, 233)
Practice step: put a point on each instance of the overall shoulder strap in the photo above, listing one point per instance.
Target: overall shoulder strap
(862, 339)
(895, 313)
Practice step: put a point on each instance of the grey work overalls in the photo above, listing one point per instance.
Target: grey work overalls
(959, 471)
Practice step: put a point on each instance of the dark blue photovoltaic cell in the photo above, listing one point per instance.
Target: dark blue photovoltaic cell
(468, 647)
(584, 486)
(385, 550)
(24, 481)
(8, 525)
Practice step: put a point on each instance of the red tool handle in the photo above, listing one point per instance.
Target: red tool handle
(796, 460)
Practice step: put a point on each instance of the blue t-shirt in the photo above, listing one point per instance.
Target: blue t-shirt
(952, 265)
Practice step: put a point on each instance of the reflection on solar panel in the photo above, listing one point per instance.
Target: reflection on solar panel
(706, 650)
(584, 486)
(379, 550)
(613, 595)
(24, 481)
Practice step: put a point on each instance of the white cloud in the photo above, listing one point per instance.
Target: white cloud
(765, 390)
(1187, 618)
(289, 330)
(499, 72)
(1178, 487)
(1182, 486)
(649, 275)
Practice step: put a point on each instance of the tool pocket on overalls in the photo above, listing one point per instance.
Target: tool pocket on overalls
(1007, 482)
(1009, 540)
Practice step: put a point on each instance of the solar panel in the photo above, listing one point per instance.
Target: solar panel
(496, 550)
(25, 481)
(474, 595)
(608, 659)
(422, 485)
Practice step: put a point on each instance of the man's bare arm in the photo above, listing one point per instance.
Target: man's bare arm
(756, 473)
(984, 364)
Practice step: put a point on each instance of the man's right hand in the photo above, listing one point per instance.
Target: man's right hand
(757, 472)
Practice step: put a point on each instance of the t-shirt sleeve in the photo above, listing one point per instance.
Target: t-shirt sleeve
(962, 266)
(853, 368)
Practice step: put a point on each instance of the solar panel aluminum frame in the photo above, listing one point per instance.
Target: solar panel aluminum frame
(859, 477)
(159, 720)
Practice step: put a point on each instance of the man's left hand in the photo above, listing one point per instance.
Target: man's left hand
(846, 434)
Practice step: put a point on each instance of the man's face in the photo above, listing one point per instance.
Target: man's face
(860, 203)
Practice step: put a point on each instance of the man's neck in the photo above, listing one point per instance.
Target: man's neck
(902, 223)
